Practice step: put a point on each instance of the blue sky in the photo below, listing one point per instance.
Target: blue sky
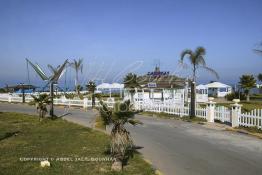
(117, 36)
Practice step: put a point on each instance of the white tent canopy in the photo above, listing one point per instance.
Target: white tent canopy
(217, 85)
(201, 86)
(110, 86)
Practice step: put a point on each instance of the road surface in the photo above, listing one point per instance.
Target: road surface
(181, 148)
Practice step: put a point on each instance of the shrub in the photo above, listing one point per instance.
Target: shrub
(235, 95)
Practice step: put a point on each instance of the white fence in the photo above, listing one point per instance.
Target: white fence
(85, 103)
(221, 113)
(253, 118)
(210, 112)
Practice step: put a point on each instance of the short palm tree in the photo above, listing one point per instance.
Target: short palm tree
(41, 102)
(131, 83)
(197, 60)
(259, 77)
(77, 65)
(121, 142)
(91, 87)
(78, 89)
(247, 82)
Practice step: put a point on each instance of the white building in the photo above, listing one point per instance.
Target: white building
(201, 93)
(158, 86)
(217, 89)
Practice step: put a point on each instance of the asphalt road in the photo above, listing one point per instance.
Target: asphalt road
(182, 148)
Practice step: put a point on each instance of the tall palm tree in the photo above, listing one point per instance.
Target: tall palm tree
(247, 82)
(121, 142)
(91, 87)
(41, 102)
(77, 65)
(131, 83)
(197, 60)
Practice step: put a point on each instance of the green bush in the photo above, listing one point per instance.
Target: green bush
(235, 95)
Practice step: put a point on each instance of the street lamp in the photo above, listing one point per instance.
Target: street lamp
(23, 92)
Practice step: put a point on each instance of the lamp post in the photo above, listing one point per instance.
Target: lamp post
(52, 99)
(23, 92)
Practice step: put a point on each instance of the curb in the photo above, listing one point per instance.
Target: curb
(157, 171)
(259, 136)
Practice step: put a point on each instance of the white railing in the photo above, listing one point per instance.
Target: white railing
(222, 114)
(58, 101)
(251, 119)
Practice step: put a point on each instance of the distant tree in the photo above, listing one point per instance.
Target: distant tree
(91, 87)
(131, 83)
(77, 65)
(3, 90)
(121, 141)
(197, 60)
(247, 82)
(41, 102)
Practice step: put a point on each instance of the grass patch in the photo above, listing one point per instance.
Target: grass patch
(99, 123)
(246, 106)
(194, 119)
(23, 136)
(160, 115)
(172, 116)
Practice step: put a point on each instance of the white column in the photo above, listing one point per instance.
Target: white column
(9, 98)
(85, 103)
(211, 110)
(236, 111)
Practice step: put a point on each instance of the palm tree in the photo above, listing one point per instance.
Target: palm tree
(131, 83)
(77, 65)
(247, 82)
(121, 142)
(197, 61)
(91, 87)
(78, 89)
(41, 104)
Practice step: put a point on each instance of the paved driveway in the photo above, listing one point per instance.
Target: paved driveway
(183, 148)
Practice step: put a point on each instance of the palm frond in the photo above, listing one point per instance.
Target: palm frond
(134, 122)
(200, 51)
(258, 51)
(200, 60)
(186, 52)
(211, 71)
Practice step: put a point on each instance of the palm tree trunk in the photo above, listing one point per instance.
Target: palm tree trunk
(193, 95)
(193, 100)
(76, 79)
(93, 100)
